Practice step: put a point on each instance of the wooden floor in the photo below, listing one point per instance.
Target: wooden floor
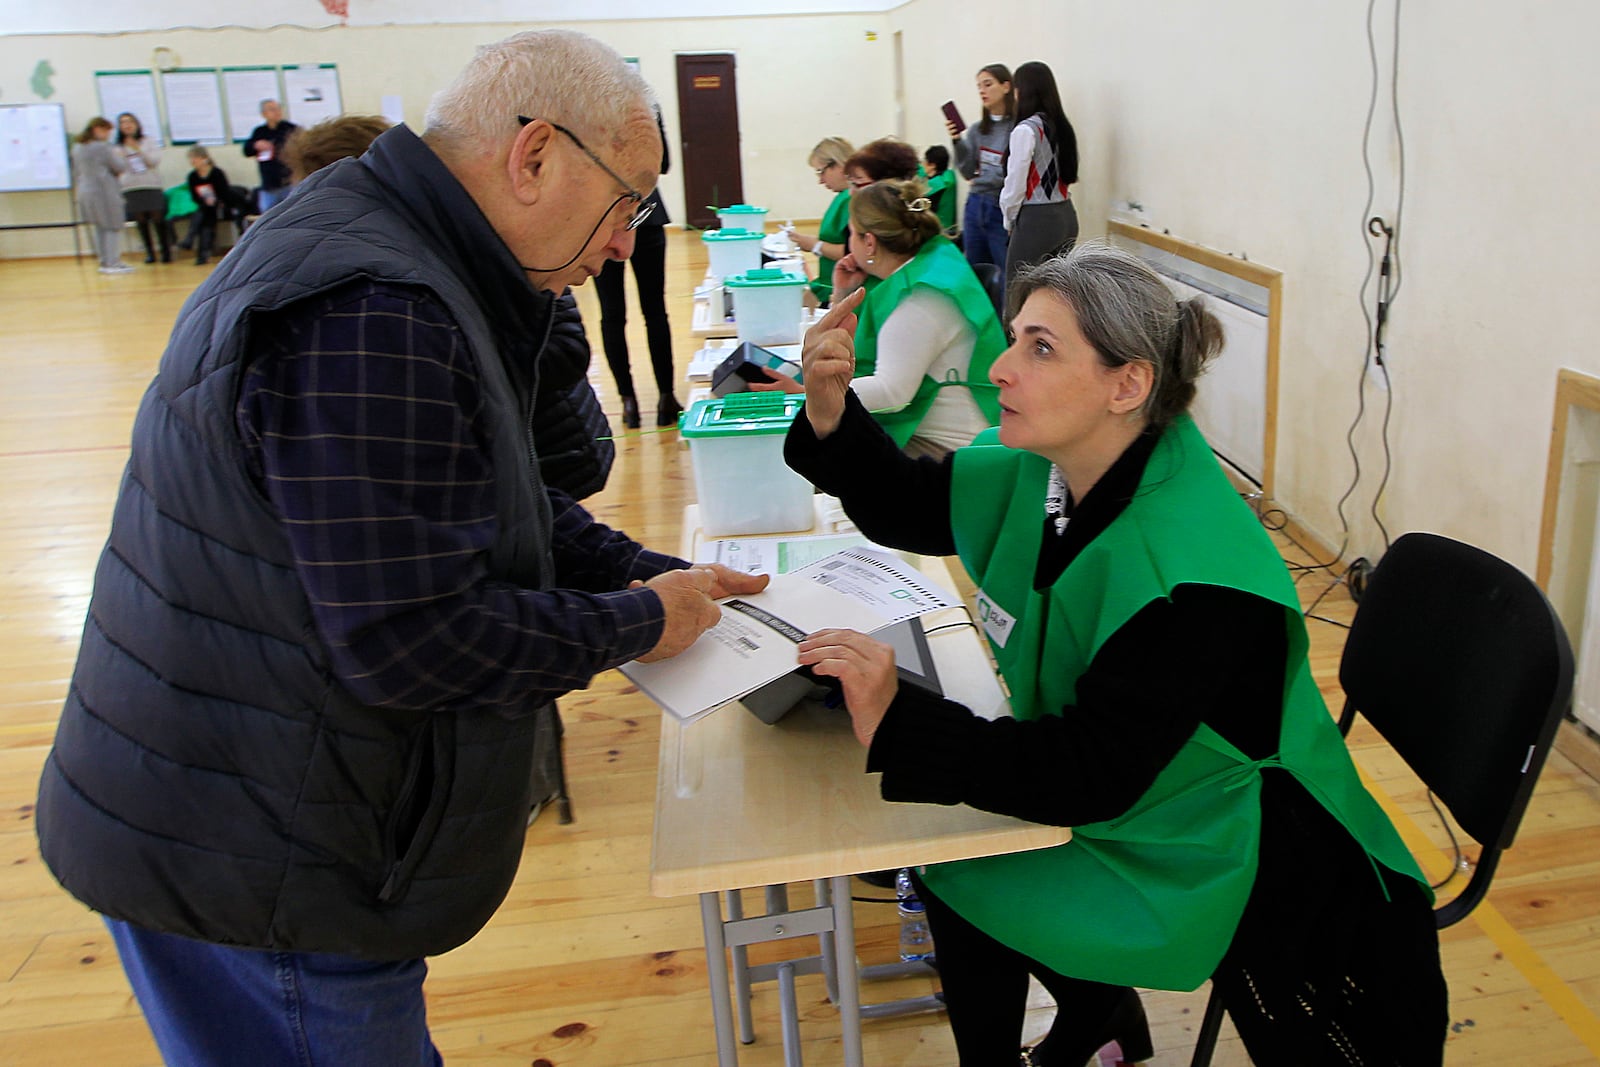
(582, 966)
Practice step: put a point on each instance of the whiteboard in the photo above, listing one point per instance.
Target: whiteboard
(245, 88)
(33, 148)
(194, 106)
(311, 93)
(133, 91)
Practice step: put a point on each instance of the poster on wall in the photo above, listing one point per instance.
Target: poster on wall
(133, 91)
(245, 88)
(33, 148)
(311, 93)
(194, 106)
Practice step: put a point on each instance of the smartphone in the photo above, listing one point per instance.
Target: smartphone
(950, 112)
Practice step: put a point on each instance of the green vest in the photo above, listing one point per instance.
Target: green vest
(940, 266)
(834, 229)
(1151, 898)
(945, 180)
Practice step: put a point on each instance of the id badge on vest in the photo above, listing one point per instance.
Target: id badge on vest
(997, 623)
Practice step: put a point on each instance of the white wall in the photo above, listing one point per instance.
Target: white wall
(98, 16)
(1238, 124)
(781, 112)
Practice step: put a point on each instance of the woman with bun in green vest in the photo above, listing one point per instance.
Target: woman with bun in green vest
(927, 330)
(1161, 705)
(828, 243)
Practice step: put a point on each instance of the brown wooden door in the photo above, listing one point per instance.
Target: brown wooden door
(708, 118)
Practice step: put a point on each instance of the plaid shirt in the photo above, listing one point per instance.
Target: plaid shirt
(360, 419)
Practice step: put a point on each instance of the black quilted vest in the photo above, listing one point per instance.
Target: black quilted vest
(210, 776)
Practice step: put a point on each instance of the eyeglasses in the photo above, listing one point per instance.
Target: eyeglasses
(826, 167)
(857, 181)
(641, 208)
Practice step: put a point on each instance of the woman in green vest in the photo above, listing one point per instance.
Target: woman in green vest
(828, 243)
(927, 331)
(1162, 706)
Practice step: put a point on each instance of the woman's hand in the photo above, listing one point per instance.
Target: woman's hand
(955, 134)
(828, 362)
(807, 241)
(864, 667)
(777, 382)
(848, 274)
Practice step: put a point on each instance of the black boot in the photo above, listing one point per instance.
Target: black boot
(668, 410)
(630, 413)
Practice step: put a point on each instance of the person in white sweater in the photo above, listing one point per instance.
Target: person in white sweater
(1042, 165)
(927, 330)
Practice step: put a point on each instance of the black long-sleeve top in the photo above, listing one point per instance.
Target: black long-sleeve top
(1328, 963)
(1208, 654)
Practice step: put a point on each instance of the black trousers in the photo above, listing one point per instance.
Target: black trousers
(985, 987)
(650, 277)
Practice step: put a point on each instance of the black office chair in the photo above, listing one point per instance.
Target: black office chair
(990, 275)
(1459, 661)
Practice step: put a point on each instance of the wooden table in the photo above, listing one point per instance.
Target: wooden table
(740, 804)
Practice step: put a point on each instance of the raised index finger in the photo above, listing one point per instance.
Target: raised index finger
(842, 315)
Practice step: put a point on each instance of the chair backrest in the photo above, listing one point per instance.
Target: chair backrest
(1459, 661)
(990, 276)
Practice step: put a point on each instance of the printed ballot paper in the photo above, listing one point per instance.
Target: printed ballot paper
(863, 588)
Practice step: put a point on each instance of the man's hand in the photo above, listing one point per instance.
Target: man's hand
(725, 581)
(687, 595)
(828, 362)
(686, 598)
(864, 667)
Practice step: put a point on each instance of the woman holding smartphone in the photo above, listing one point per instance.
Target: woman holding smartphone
(981, 159)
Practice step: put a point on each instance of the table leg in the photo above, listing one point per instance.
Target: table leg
(844, 926)
(741, 973)
(826, 943)
(717, 974)
(791, 1016)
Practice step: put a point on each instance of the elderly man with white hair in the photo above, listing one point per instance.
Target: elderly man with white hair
(336, 598)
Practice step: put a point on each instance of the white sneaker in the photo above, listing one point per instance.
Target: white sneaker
(120, 268)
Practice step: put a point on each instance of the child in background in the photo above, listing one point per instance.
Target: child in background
(941, 186)
(209, 187)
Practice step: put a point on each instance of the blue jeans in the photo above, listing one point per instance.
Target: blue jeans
(220, 1006)
(983, 233)
(267, 197)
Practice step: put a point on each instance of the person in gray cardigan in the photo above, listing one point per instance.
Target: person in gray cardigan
(96, 167)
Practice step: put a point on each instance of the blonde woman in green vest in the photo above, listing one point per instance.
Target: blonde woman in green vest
(1162, 706)
(927, 330)
(828, 243)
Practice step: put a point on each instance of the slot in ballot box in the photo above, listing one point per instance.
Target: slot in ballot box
(740, 479)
